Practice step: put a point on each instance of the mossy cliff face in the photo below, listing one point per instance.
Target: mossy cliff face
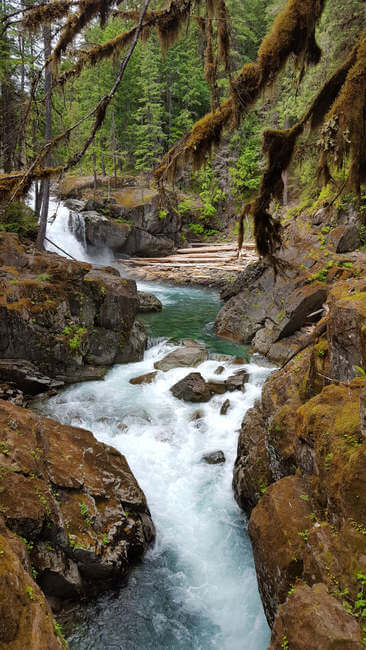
(273, 312)
(71, 322)
(26, 620)
(301, 476)
(78, 517)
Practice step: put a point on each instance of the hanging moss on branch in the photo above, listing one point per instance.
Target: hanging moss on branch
(167, 23)
(292, 33)
(279, 145)
(46, 13)
(87, 10)
(344, 131)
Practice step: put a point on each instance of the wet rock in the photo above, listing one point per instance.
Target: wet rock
(252, 472)
(75, 205)
(225, 407)
(192, 388)
(70, 322)
(214, 458)
(274, 528)
(219, 370)
(216, 356)
(12, 394)
(101, 231)
(217, 387)
(344, 238)
(148, 302)
(26, 376)
(313, 618)
(75, 499)
(237, 381)
(145, 244)
(182, 357)
(345, 332)
(26, 618)
(148, 378)
(197, 415)
(135, 346)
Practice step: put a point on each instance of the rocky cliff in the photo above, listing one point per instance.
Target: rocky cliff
(130, 220)
(301, 465)
(73, 521)
(62, 319)
(272, 311)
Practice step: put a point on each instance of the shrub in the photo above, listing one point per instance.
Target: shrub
(19, 218)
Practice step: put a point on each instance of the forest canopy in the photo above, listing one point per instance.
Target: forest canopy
(158, 86)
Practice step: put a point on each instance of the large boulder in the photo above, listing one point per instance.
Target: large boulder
(192, 388)
(75, 501)
(131, 222)
(277, 529)
(66, 319)
(313, 618)
(252, 471)
(148, 302)
(344, 238)
(186, 357)
(26, 376)
(26, 620)
(346, 330)
(101, 231)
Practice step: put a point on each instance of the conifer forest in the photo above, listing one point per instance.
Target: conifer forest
(183, 324)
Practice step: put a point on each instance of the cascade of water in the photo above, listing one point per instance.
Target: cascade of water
(67, 229)
(197, 588)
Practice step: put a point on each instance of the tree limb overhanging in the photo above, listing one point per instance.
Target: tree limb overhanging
(340, 106)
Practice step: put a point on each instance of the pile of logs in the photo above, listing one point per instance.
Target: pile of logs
(213, 256)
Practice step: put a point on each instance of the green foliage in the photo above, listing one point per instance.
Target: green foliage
(58, 632)
(20, 219)
(163, 214)
(196, 228)
(30, 593)
(304, 534)
(319, 276)
(245, 173)
(85, 513)
(284, 644)
(361, 371)
(44, 277)
(185, 206)
(4, 448)
(75, 335)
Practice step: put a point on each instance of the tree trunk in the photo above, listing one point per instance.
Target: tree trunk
(48, 135)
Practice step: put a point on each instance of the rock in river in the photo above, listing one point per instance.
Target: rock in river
(148, 302)
(214, 458)
(182, 357)
(192, 388)
(144, 379)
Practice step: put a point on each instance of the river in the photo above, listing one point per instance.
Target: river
(196, 588)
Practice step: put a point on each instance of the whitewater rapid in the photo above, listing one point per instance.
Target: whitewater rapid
(196, 588)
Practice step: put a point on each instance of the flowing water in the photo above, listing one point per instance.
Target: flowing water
(196, 588)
